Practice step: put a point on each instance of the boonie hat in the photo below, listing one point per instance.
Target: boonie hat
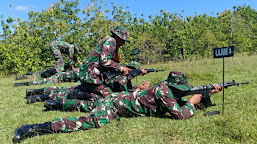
(121, 32)
(178, 80)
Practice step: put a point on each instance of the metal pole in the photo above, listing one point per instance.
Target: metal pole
(223, 84)
(136, 77)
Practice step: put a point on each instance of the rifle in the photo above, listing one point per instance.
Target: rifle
(205, 92)
(133, 73)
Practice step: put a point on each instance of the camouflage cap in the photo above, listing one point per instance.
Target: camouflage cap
(77, 47)
(121, 32)
(178, 80)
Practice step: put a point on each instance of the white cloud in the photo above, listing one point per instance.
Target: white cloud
(21, 8)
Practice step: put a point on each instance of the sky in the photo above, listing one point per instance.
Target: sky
(20, 8)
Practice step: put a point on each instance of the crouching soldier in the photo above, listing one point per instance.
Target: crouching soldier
(57, 48)
(61, 47)
(155, 101)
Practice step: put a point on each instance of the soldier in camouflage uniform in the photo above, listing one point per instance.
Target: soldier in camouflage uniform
(155, 101)
(69, 76)
(57, 48)
(116, 84)
(61, 47)
(43, 73)
(103, 58)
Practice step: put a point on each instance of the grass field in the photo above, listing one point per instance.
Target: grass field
(237, 125)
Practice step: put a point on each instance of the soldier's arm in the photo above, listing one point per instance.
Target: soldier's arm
(185, 111)
(71, 55)
(108, 54)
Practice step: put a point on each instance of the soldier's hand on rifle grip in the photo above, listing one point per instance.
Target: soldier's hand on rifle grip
(143, 72)
(126, 71)
(217, 89)
(195, 99)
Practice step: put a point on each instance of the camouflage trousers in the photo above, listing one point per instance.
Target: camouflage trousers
(116, 84)
(114, 106)
(55, 48)
(68, 76)
(102, 112)
(64, 93)
(42, 74)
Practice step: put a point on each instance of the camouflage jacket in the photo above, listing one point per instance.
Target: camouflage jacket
(101, 59)
(69, 51)
(156, 101)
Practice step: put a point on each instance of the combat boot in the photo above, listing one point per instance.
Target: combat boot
(21, 84)
(37, 98)
(20, 77)
(27, 131)
(54, 105)
(30, 92)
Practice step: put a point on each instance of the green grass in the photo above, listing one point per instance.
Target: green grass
(237, 125)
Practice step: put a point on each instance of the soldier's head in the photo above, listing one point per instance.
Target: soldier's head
(178, 80)
(120, 34)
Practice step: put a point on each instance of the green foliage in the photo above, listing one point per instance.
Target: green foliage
(166, 36)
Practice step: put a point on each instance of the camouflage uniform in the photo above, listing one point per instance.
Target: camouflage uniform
(41, 74)
(155, 101)
(104, 57)
(59, 47)
(116, 84)
(46, 72)
(60, 77)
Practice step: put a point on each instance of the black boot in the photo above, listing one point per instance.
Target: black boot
(28, 73)
(36, 98)
(30, 92)
(54, 105)
(20, 77)
(21, 84)
(27, 131)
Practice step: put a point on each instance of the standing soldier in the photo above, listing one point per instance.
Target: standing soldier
(155, 101)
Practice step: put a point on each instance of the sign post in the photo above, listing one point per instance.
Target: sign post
(222, 53)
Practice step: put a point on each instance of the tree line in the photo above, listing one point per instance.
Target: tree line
(24, 45)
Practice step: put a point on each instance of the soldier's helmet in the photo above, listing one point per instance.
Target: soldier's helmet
(77, 47)
(121, 32)
(178, 80)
